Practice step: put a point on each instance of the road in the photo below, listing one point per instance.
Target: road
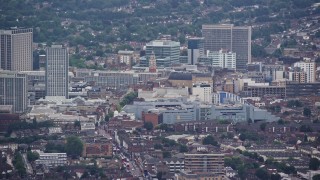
(134, 169)
(27, 164)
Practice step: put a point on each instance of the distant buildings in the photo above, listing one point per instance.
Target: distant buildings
(236, 39)
(185, 79)
(115, 79)
(176, 110)
(13, 90)
(203, 92)
(195, 50)
(309, 67)
(152, 63)
(52, 159)
(36, 85)
(57, 81)
(126, 57)
(298, 75)
(166, 52)
(205, 162)
(223, 59)
(16, 52)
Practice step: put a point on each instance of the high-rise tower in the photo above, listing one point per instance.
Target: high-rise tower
(195, 50)
(57, 71)
(16, 49)
(13, 90)
(236, 39)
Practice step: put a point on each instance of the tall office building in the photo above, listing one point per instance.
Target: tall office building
(236, 39)
(13, 90)
(167, 52)
(16, 49)
(57, 71)
(195, 50)
(309, 67)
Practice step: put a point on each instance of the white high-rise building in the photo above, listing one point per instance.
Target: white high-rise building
(203, 92)
(16, 49)
(57, 71)
(223, 59)
(309, 67)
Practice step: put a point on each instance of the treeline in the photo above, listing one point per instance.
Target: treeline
(18, 164)
(128, 99)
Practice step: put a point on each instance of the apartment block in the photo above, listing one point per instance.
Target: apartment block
(57, 79)
(309, 67)
(16, 52)
(205, 162)
(52, 159)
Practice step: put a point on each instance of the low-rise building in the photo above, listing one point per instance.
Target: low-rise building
(52, 159)
(204, 162)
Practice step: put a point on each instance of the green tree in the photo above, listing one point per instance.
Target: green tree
(74, 146)
(275, 177)
(316, 177)
(183, 148)
(209, 140)
(32, 156)
(77, 124)
(19, 164)
(314, 164)
(305, 128)
(107, 118)
(281, 121)
(166, 154)
(262, 174)
(158, 146)
(263, 126)
(148, 126)
(306, 112)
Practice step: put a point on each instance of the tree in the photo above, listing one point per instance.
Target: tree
(263, 126)
(275, 177)
(166, 154)
(314, 164)
(74, 146)
(305, 128)
(209, 140)
(32, 156)
(306, 112)
(148, 126)
(107, 118)
(316, 177)
(158, 146)
(281, 121)
(18, 164)
(77, 124)
(183, 148)
(262, 174)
